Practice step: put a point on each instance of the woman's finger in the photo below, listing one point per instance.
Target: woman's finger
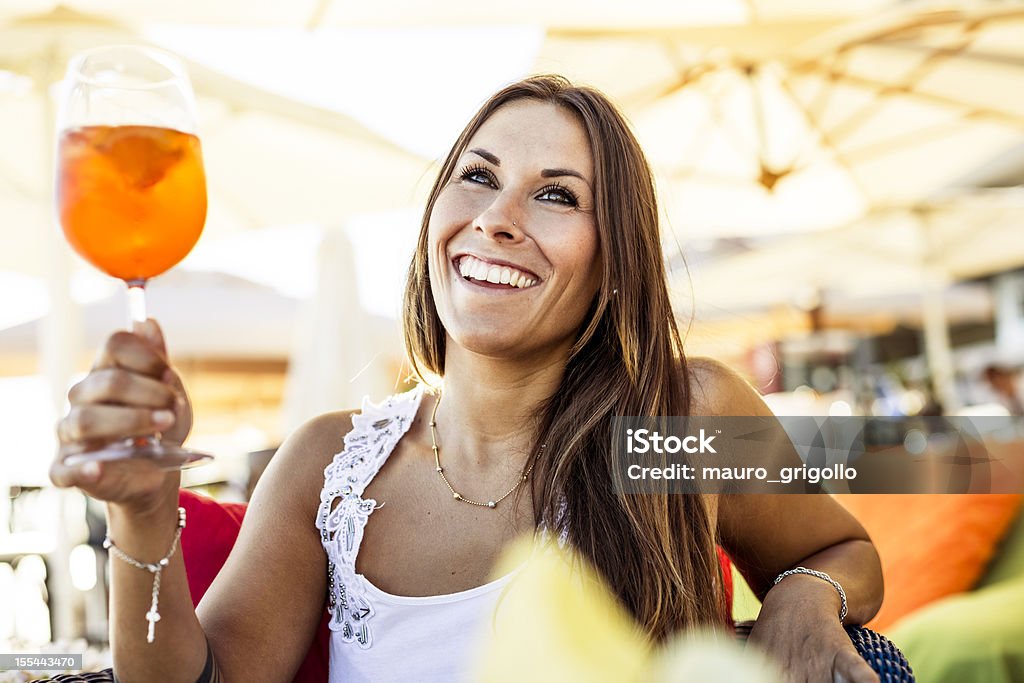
(132, 352)
(128, 480)
(849, 667)
(82, 475)
(115, 385)
(85, 423)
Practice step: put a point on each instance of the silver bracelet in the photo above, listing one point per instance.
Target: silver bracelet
(152, 616)
(820, 575)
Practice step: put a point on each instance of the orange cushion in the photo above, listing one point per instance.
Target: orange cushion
(931, 546)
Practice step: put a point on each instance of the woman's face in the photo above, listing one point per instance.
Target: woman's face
(514, 254)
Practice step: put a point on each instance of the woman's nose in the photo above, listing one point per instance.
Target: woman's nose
(500, 221)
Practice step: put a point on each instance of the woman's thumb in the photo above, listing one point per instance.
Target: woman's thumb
(150, 331)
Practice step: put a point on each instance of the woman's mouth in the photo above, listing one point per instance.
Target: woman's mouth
(491, 275)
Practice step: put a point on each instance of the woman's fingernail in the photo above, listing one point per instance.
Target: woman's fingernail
(163, 418)
(91, 470)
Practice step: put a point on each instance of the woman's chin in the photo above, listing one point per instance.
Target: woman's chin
(488, 342)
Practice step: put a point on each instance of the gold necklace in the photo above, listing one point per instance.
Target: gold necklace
(440, 470)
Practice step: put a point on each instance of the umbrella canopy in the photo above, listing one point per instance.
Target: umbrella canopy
(808, 125)
(269, 159)
(571, 14)
(894, 251)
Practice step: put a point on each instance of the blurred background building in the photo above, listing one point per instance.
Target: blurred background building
(840, 183)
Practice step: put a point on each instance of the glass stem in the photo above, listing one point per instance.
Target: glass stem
(137, 300)
(137, 311)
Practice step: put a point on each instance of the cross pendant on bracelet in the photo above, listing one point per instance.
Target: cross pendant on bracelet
(152, 616)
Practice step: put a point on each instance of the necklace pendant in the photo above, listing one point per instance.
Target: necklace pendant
(491, 503)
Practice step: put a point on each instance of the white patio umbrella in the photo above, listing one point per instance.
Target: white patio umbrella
(571, 14)
(803, 125)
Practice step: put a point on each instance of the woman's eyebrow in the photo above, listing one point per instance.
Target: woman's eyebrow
(487, 156)
(556, 172)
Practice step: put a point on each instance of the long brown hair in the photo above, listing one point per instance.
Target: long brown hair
(656, 551)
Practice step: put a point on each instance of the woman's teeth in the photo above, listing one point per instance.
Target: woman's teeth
(475, 269)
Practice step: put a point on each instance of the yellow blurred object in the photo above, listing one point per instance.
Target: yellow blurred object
(558, 621)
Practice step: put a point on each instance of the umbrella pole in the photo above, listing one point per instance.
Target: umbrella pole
(937, 346)
(332, 362)
(59, 337)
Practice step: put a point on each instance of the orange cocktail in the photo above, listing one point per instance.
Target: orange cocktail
(132, 199)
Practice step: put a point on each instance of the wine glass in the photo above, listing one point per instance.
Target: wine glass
(130, 185)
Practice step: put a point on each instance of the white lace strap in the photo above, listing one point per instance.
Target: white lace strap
(343, 512)
(376, 429)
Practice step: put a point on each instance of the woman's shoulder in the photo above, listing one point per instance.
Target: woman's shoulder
(718, 389)
(325, 432)
(322, 437)
(299, 463)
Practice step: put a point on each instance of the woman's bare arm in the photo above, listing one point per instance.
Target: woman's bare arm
(768, 534)
(261, 613)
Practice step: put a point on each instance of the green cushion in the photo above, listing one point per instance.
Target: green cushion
(1008, 563)
(966, 638)
(745, 605)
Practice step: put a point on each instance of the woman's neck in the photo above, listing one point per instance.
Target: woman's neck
(486, 412)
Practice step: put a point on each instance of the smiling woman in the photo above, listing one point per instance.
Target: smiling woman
(537, 292)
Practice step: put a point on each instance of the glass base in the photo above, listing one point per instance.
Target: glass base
(167, 456)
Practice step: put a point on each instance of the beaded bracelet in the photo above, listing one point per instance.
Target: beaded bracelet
(152, 616)
(820, 575)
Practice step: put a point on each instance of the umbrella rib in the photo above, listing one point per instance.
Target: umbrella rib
(316, 17)
(686, 77)
(739, 141)
(986, 58)
(753, 11)
(823, 97)
(872, 84)
(826, 139)
(762, 125)
(913, 79)
(239, 93)
(697, 147)
(696, 173)
(918, 21)
(980, 227)
(902, 140)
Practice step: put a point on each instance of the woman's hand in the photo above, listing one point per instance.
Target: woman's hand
(799, 627)
(131, 391)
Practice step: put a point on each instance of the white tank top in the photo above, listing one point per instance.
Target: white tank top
(376, 636)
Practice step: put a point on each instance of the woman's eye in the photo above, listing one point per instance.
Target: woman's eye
(558, 194)
(477, 175)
